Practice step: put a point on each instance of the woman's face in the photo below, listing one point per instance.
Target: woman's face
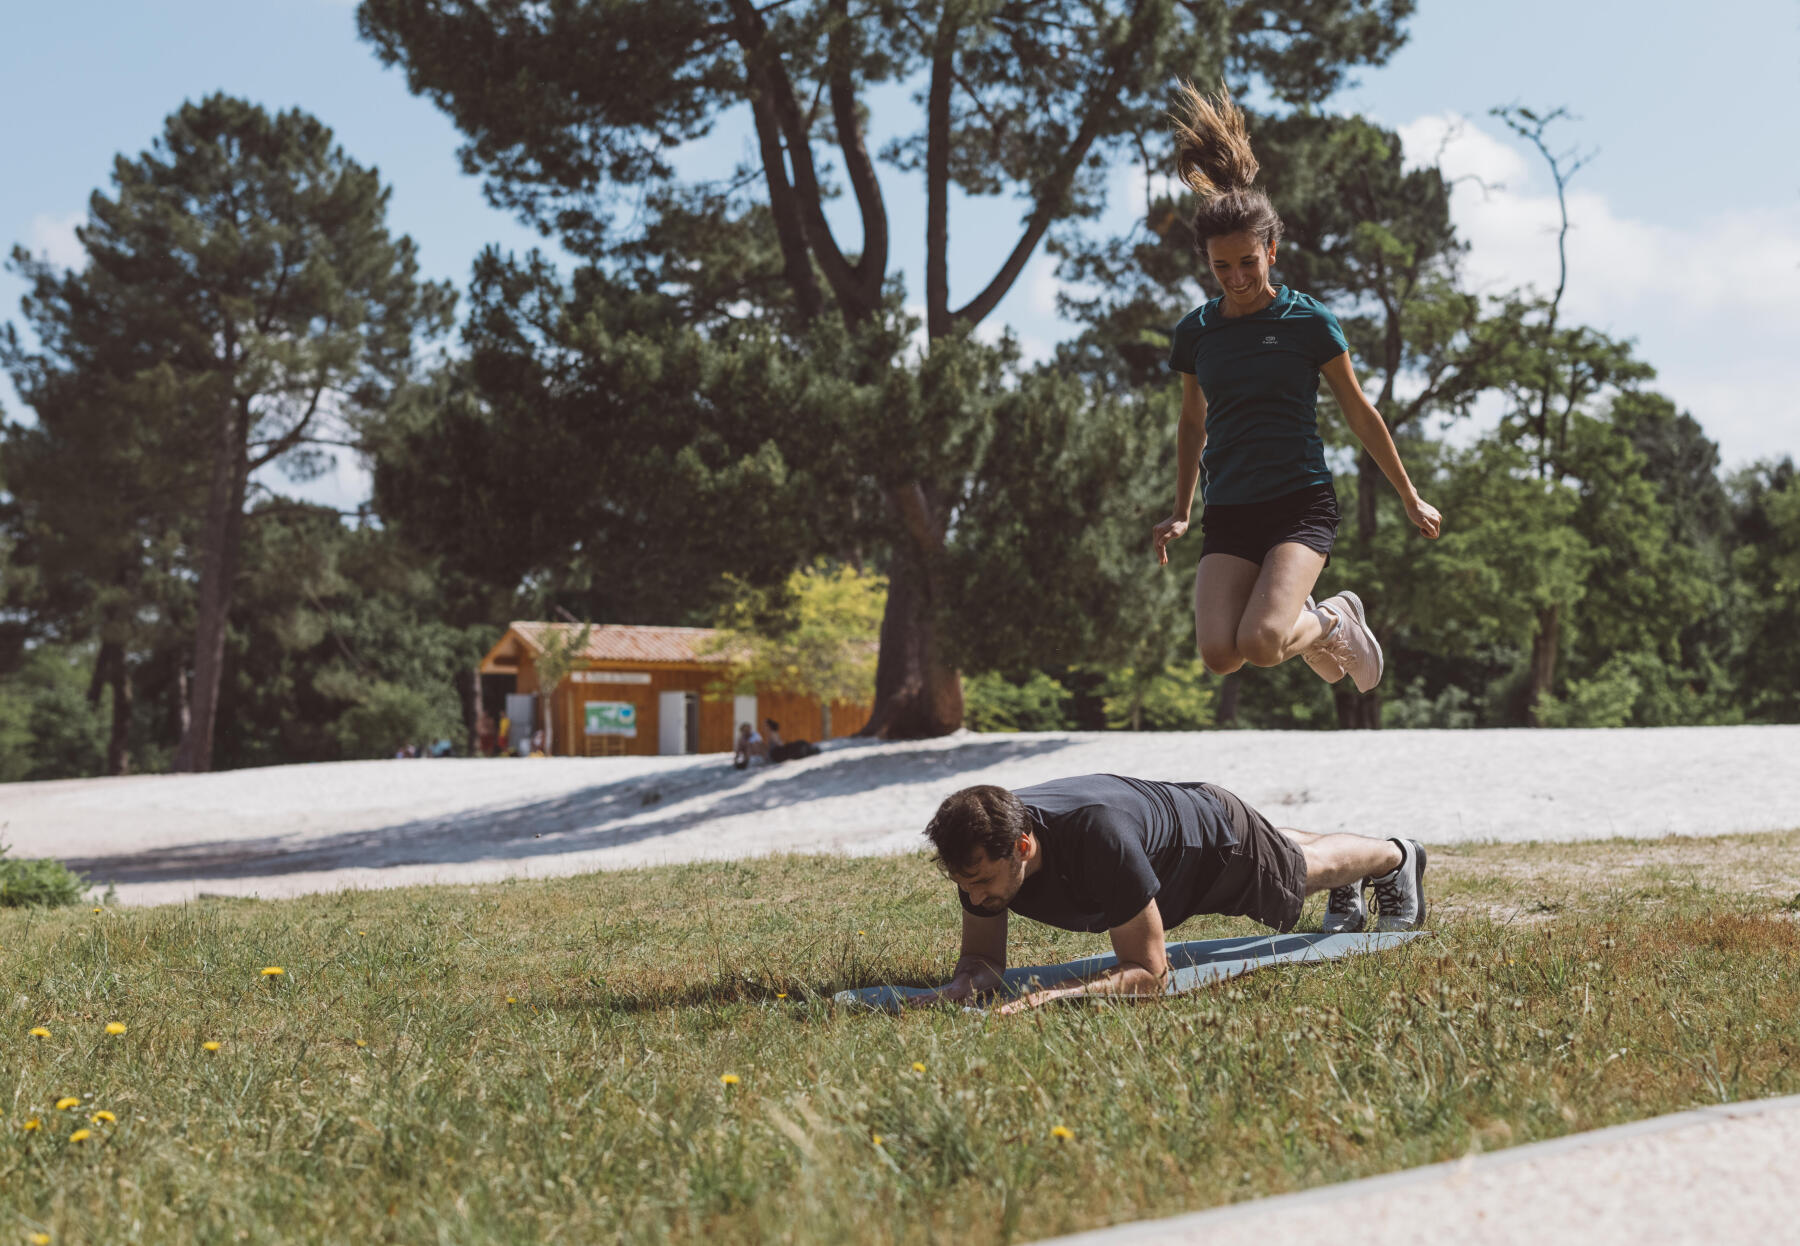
(1240, 264)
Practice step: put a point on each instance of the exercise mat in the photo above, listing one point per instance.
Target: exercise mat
(1192, 965)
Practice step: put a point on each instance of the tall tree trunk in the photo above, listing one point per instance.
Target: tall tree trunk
(1357, 711)
(181, 708)
(118, 746)
(220, 536)
(917, 694)
(1229, 692)
(1543, 662)
(468, 689)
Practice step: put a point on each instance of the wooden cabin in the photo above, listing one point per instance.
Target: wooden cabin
(647, 691)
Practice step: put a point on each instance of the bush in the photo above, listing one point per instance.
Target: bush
(38, 882)
(992, 702)
(390, 715)
(1176, 698)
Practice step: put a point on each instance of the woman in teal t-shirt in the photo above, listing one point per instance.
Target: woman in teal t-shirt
(1251, 363)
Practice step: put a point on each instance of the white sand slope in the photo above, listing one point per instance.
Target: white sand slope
(292, 829)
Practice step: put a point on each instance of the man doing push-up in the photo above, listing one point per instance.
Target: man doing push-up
(1136, 858)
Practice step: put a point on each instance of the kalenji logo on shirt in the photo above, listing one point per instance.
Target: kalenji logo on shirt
(1270, 340)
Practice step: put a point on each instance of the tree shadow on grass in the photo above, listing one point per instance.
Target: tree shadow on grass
(608, 814)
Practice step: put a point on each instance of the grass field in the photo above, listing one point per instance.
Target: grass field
(648, 1056)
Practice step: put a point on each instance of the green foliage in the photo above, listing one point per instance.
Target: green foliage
(992, 702)
(1177, 698)
(38, 882)
(386, 716)
(48, 729)
(335, 621)
(1765, 566)
(817, 636)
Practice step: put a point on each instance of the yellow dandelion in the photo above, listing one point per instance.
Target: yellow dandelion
(362, 932)
(97, 909)
(273, 971)
(66, 1102)
(210, 1045)
(38, 1031)
(862, 932)
(80, 1135)
(115, 1027)
(781, 995)
(362, 1042)
(511, 999)
(875, 1138)
(730, 1079)
(1063, 1132)
(918, 1066)
(33, 1124)
(103, 1117)
(40, 1239)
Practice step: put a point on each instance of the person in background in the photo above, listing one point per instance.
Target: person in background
(750, 745)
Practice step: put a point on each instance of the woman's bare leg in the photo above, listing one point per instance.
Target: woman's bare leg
(1275, 624)
(1222, 588)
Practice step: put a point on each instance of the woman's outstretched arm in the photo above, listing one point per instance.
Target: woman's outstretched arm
(1190, 440)
(1370, 429)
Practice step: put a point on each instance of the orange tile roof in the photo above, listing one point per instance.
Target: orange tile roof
(619, 642)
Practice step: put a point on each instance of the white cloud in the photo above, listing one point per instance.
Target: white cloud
(53, 238)
(1715, 308)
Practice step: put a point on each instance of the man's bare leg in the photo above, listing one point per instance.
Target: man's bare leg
(1340, 860)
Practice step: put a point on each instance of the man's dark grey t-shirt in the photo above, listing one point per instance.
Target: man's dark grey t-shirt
(1112, 844)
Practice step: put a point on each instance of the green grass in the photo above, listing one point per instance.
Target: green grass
(1567, 988)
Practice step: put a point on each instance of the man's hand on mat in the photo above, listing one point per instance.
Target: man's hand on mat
(962, 989)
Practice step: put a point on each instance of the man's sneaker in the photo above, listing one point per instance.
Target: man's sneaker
(1345, 912)
(1400, 896)
(1351, 642)
(1324, 665)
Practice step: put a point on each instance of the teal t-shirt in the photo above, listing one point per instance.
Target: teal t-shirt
(1260, 375)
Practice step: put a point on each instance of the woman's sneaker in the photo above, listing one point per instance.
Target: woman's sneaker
(1351, 643)
(1345, 912)
(1400, 896)
(1324, 665)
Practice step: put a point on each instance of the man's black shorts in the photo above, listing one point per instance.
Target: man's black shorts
(1250, 530)
(1262, 876)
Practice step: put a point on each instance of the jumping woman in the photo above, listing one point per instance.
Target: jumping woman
(1251, 362)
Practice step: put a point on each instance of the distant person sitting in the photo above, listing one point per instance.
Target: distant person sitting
(790, 751)
(750, 746)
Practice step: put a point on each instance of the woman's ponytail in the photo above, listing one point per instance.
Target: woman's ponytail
(1213, 157)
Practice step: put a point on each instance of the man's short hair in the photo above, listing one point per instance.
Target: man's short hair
(984, 819)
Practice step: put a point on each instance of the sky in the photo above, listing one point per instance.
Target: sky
(1686, 218)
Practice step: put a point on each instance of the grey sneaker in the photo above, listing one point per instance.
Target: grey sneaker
(1400, 896)
(1345, 912)
(1351, 642)
(1324, 665)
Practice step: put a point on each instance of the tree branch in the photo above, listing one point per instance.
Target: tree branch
(1097, 105)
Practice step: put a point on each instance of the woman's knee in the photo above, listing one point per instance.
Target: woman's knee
(1261, 644)
(1220, 659)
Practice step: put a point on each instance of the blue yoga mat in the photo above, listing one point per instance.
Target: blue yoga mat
(1192, 965)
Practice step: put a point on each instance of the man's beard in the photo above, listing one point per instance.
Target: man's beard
(990, 910)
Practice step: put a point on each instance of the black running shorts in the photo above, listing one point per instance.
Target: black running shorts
(1250, 530)
(1262, 876)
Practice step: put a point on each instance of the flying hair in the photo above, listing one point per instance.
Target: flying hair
(1212, 145)
(1213, 157)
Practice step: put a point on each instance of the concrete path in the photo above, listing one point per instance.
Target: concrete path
(286, 830)
(1718, 1174)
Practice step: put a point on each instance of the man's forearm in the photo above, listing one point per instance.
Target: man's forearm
(1125, 982)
